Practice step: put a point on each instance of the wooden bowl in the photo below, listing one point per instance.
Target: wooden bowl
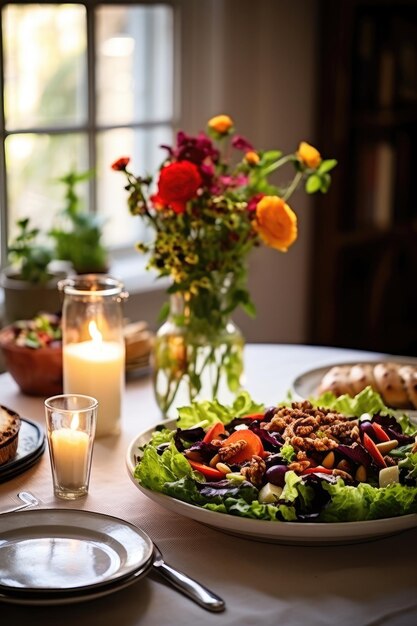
(37, 371)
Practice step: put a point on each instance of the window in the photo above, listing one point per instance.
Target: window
(83, 84)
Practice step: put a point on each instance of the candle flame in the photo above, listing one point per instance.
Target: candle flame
(75, 422)
(95, 334)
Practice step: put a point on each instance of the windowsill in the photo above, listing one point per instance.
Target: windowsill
(146, 291)
(131, 270)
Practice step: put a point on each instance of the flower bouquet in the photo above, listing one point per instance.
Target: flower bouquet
(213, 203)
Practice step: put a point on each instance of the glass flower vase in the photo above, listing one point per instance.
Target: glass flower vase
(195, 359)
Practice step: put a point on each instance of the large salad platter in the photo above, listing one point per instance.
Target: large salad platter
(344, 517)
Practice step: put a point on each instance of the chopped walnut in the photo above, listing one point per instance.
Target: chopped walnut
(308, 428)
(229, 450)
(342, 474)
(254, 471)
(299, 466)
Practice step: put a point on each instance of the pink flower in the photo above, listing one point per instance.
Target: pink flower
(240, 143)
(234, 181)
(254, 201)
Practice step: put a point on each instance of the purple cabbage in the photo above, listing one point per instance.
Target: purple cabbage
(188, 435)
(355, 453)
(393, 429)
(271, 442)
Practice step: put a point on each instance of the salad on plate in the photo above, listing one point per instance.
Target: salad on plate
(328, 459)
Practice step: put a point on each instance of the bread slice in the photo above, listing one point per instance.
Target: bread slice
(9, 434)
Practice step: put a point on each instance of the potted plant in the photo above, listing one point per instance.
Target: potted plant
(77, 234)
(30, 281)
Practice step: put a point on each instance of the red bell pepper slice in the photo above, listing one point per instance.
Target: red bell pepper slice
(214, 431)
(210, 473)
(320, 469)
(373, 451)
(254, 416)
(380, 433)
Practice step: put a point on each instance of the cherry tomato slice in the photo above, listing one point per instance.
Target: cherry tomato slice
(253, 446)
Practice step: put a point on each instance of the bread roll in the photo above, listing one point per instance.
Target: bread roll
(395, 382)
(9, 434)
(390, 385)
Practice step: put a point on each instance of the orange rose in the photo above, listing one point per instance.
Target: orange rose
(308, 155)
(220, 124)
(276, 223)
(252, 157)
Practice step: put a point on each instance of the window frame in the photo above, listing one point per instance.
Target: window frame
(91, 128)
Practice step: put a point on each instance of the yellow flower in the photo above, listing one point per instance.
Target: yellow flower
(308, 155)
(252, 157)
(276, 223)
(221, 124)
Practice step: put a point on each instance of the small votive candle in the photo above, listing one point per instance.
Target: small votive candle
(71, 422)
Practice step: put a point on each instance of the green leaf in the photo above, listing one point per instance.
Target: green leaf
(326, 166)
(325, 183)
(270, 156)
(313, 183)
(164, 312)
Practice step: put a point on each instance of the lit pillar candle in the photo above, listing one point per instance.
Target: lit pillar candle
(96, 368)
(70, 449)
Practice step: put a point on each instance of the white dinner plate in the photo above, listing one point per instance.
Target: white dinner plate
(306, 384)
(55, 554)
(304, 533)
(74, 598)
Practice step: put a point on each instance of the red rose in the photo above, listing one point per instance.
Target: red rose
(178, 183)
(120, 164)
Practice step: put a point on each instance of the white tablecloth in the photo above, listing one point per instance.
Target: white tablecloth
(373, 583)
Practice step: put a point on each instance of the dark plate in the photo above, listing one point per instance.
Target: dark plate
(30, 448)
(58, 555)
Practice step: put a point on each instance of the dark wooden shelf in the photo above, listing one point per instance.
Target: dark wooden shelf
(365, 250)
(384, 118)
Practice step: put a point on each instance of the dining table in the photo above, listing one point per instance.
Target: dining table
(368, 582)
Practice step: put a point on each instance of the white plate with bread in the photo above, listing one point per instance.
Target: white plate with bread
(394, 380)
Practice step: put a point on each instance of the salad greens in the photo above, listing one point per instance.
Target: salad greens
(315, 495)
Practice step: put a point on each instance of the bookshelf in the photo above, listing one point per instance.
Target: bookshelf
(363, 281)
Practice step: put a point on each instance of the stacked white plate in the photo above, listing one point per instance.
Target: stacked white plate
(58, 556)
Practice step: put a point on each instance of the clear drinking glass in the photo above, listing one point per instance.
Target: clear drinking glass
(71, 424)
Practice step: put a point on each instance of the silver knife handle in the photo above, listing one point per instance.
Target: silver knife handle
(191, 588)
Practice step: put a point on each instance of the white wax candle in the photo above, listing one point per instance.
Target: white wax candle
(96, 368)
(70, 453)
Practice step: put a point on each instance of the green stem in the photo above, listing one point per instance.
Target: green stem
(297, 179)
(219, 371)
(169, 397)
(277, 164)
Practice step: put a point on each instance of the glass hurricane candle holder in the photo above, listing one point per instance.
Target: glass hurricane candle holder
(93, 345)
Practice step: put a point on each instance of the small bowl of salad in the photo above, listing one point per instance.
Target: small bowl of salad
(32, 352)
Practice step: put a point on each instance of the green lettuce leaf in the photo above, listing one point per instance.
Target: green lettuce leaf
(350, 504)
(154, 470)
(409, 463)
(212, 411)
(367, 401)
